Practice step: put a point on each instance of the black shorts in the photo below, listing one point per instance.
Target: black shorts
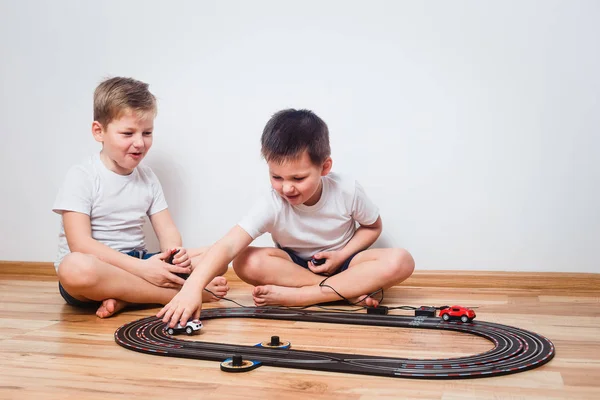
(92, 303)
(304, 263)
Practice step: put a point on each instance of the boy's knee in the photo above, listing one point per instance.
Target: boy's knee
(249, 265)
(77, 270)
(246, 260)
(402, 263)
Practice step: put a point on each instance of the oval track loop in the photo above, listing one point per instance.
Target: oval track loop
(515, 350)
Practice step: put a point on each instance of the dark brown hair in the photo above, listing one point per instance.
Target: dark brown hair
(289, 132)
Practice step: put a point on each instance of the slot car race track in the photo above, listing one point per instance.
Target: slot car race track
(515, 350)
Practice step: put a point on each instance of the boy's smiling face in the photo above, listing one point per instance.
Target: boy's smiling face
(298, 180)
(126, 140)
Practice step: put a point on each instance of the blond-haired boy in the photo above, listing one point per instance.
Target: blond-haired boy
(102, 258)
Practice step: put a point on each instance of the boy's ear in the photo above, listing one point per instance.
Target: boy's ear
(327, 166)
(98, 131)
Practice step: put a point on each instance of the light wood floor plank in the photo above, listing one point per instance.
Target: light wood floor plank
(49, 350)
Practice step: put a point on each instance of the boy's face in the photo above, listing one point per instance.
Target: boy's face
(299, 181)
(125, 140)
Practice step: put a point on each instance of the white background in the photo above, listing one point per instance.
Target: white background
(472, 124)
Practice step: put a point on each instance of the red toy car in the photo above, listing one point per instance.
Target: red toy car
(457, 312)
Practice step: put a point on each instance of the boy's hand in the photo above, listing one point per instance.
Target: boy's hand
(186, 305)
(159, 273)
(332, 263)
(181, 258)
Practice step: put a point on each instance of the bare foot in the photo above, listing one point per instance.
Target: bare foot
(218, 286)
(110, 307)
(364, 300)
(272, 295)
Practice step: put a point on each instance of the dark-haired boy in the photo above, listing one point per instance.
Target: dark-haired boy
(312, 214)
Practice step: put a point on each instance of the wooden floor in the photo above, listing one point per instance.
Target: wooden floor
(49, 350)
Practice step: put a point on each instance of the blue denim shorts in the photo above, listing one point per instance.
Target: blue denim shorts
(304, 263)
(95, 304)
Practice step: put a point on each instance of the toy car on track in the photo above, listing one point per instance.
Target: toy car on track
(457, 312)
(189, 328)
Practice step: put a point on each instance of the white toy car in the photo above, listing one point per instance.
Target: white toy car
(189, 328)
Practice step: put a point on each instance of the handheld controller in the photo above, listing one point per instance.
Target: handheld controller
(169, 260)
(319, 261)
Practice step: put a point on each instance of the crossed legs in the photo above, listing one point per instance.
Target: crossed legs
(279, 281)
(87, 278)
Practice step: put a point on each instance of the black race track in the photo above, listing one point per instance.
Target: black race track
(515, 349)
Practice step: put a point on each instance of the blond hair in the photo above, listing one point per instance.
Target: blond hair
(115, 95)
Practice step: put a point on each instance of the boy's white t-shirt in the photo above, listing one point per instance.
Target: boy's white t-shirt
(307, 230)
(116, 204)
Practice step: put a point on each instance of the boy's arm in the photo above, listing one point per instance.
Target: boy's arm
(363, 210)
(364, 237)
(167, 233)
(79, 238)
(188, 302)
(169, 237)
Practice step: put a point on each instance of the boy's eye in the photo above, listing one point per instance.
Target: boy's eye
(276, 177)
(127, 133)
(147, 133)
(299, 179)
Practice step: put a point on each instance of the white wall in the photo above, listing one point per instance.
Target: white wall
(473, 125)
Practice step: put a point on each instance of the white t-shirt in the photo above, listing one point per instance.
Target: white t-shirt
(116, 204)
(307, 230)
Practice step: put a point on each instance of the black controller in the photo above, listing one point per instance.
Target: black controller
(318, 261)
(169, 260)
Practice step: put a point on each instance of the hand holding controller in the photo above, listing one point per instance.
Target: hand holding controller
(169, 260)
(318, 261)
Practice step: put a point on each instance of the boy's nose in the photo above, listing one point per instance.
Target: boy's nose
(137, 143)
(288, 189)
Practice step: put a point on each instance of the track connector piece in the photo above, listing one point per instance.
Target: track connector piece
(381, 310)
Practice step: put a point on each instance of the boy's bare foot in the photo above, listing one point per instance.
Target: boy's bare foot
(218, 286)
(364, 300)
(272, 295)
(110, 307)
